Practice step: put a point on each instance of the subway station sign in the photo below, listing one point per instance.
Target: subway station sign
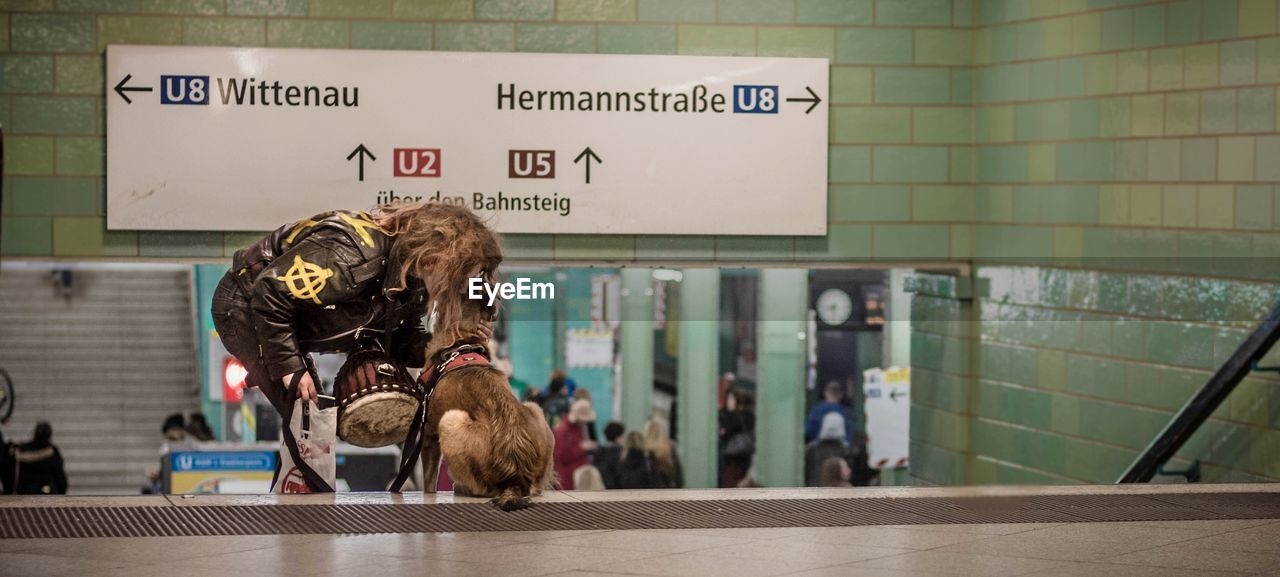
(250, 138)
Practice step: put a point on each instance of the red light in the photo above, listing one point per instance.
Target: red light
(233, 375)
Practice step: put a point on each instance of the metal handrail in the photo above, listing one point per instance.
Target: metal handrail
(1205, 402)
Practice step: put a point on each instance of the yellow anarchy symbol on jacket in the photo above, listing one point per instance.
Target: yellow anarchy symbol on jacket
(305, 280)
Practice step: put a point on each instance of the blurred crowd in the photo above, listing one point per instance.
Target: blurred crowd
(622, 459)
(835, 444)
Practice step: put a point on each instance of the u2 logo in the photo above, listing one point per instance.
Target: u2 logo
(417, 162)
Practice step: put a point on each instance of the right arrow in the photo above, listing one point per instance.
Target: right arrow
(361, 151)
(813, 98)
(121, 88)
(588, 154)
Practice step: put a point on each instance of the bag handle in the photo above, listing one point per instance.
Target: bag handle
(309, 475)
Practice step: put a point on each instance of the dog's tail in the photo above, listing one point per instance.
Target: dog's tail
(464, 437)
(455, 425)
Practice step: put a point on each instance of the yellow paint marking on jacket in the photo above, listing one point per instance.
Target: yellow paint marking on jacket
(361, 224)
(305, 280)
(304, 225)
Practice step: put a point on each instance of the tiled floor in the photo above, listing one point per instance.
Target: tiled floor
(1166, 549)
(1163, 549)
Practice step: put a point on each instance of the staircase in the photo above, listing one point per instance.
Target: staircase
(103, 355)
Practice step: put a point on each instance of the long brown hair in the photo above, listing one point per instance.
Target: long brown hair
(443, 245)
(658, 444)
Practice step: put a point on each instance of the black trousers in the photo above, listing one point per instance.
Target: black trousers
(233, 318)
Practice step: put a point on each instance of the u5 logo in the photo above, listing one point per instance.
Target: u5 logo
(531, 164)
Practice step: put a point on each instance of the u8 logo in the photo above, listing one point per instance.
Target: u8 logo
(755, 99)
(184, 89)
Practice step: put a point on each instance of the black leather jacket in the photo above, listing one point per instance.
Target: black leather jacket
(318, 286)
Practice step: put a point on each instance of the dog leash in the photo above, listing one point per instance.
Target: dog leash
(463, 356)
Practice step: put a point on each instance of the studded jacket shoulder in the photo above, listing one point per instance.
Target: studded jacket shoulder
(317, 285)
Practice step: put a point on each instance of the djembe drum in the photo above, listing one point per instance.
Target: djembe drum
(377, 400)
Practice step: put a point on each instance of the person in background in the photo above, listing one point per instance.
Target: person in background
(835, 472)
(533, 395)
(727, 381)
(573, 448)
(40, 469)
(608, 456)
(863, 474)
(584, 395)
(198, 427)
(833, 402)
(556, 402)
(587, 478)
(633, 469)
(6, 466)
(664, 463)
(175, 435)
(830, 443)
(737, 436)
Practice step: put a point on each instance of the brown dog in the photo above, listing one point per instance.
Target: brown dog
(495, 446)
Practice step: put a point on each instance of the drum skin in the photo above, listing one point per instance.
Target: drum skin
(377, 419)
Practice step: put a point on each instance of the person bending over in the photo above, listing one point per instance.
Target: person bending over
(337, 282)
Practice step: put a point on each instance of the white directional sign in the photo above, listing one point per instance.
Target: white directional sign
(249, 139)
(887, 393)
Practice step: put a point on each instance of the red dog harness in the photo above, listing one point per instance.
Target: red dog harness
(463, 356)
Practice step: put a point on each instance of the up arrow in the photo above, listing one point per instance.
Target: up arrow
(361, 151)
(813, 98)
(121, 89)
(588, 154)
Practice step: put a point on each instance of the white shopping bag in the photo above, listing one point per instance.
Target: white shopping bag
(315, 431)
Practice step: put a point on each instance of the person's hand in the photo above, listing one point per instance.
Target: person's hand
(486, 329)
(589, 446)
(306, 387)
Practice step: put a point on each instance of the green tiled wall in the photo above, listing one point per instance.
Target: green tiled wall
(1124, 242)
(1158, 116)
(902, 94)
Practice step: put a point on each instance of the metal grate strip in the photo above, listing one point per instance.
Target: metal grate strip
(69, 522)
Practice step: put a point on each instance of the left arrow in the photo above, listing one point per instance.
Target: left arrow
(121, 89)
(361, 151)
